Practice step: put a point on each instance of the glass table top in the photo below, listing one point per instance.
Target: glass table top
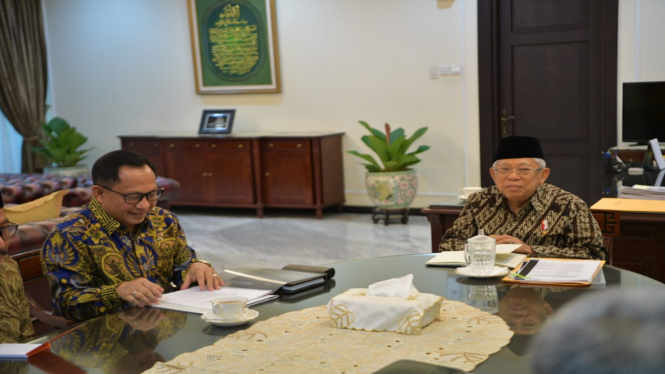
(110, 343)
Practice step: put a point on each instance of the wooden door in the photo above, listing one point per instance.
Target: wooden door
(286, 166)
(231, 179)
(548, 70)
(187, 162)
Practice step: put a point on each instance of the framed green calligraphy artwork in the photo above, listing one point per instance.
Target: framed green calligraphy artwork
(234, 43)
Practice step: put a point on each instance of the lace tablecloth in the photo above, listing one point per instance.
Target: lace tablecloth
(305, 342)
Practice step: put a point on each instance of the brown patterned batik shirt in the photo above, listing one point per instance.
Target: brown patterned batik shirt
(15, 323)
(555, 223)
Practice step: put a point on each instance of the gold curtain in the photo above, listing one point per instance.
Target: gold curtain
(23, 71)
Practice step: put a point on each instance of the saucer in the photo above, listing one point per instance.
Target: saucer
(462, 197)
(213, 319)
(497, 272)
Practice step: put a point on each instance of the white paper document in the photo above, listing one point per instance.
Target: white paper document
(17, 350)
(642, 192)
(562, 271)
(196, 301)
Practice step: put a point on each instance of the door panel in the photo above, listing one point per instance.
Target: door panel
(287, 172)
(289, 180)
(548, 15)
(231, 179)
(190, 169)
(569, 172)
(549, 87)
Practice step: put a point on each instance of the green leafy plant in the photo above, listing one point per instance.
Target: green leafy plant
(62, 147)
(391, 147)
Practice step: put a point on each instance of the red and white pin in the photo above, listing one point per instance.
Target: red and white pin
(544, 226)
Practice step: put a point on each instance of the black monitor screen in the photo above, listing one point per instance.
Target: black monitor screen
(643, 112)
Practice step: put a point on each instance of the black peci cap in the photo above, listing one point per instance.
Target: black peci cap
(519, 147)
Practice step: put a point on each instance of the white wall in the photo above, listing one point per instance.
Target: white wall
(122, 67)
(125, 67)
(641, 47)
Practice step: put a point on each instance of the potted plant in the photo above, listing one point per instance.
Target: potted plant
(61, 150)
(392, 184)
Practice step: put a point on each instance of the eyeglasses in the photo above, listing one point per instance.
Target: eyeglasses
(8, 230)
(135, 198)
(524, 172)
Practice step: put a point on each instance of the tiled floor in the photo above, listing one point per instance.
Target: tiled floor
(230, 239)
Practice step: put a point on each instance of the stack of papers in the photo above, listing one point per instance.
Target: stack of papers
(642, 192)
(195, 300)
(504, 257)
(556, 272)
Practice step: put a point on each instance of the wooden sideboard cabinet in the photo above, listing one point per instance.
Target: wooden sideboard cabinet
(249, 171)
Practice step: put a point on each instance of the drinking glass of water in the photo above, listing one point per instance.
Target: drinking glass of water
(480, 254)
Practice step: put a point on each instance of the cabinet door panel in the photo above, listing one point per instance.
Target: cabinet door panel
(232, 180)
(150, 148)
(287, 177)
(190, 169)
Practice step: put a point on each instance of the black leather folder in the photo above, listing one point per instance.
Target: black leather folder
(289, 279)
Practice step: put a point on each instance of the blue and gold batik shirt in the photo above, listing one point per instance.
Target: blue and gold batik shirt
(88, 254)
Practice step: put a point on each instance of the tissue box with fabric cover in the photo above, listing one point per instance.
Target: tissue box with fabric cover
(392, 305)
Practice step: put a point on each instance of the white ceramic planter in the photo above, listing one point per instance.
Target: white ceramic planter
(392, 190)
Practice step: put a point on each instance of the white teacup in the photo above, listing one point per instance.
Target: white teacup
(467, 191)
(229, 307)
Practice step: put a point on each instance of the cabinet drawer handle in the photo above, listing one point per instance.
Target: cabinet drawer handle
(205, 175)
(299, 146)
(156, 145)
(213, 146)
(267, 174)
(171, 145)
(239, 145)
(209, 174)
(270, 145)
(131, 144)
(198, 146)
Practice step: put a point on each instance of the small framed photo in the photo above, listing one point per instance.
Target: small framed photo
(217, 121)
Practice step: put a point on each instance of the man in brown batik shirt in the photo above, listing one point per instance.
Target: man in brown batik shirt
(522, 209)
(15, 323)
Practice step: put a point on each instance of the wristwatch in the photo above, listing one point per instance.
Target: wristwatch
(203, 262)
